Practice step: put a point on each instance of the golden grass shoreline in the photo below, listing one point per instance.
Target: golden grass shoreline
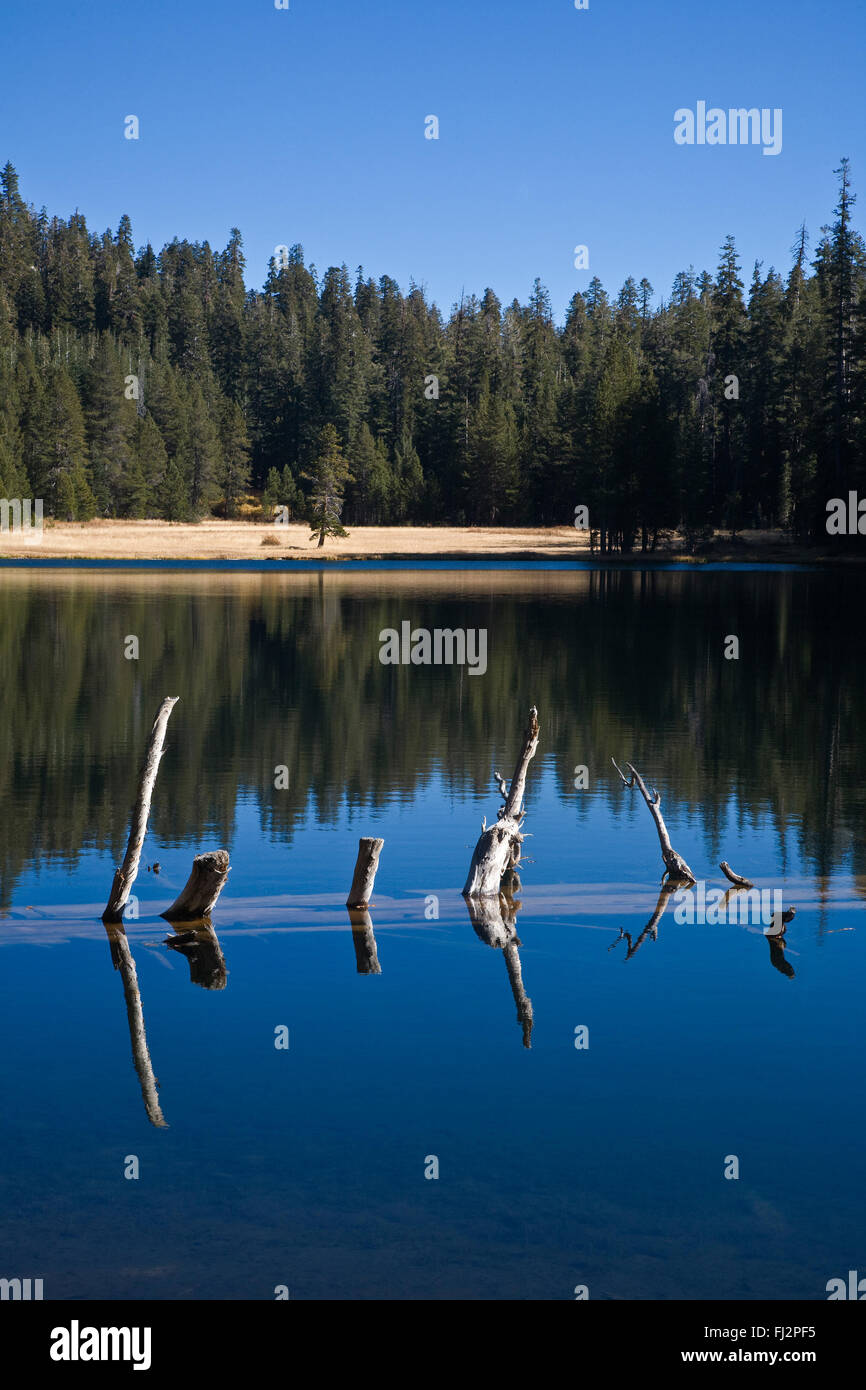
(245, 541)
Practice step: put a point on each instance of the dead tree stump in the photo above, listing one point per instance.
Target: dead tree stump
(364, 877)
(204, 885)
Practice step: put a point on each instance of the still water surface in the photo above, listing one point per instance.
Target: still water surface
(558, 1166)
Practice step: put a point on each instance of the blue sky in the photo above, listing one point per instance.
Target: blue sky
(556, 128)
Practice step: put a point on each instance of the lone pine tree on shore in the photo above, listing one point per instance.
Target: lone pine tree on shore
(327, 477)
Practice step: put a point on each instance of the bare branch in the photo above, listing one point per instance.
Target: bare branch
(676, 868)
(734, 878)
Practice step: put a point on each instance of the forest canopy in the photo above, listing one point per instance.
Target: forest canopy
(136, 383)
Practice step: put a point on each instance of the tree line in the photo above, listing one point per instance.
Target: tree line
(145, 384)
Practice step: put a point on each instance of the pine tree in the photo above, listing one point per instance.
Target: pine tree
(327, 477)
(205, 463)
(60, 451)
(371, 479)
(235, 475)
(110, 420)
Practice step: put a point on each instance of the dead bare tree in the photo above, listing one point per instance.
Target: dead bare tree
(499, 846)
(676, 868)
(125, 876)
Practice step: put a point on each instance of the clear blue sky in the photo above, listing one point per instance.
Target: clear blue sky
(556, 128)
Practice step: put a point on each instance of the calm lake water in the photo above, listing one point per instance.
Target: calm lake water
(559, 1166)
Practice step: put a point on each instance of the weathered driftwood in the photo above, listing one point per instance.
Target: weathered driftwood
(676, 868)
(364, 941)
(199, 944)
(651, 928)
(121, 957)
(364, 877)
(499, 846)
(203, 887)
(125, 876)
(494, 922)
(736, 879)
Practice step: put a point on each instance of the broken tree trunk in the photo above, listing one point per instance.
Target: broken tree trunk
(203, 887)
(121, 957)
(498, 848)
(364, 877)
(676, 868)
(125, 876)
(736, 879)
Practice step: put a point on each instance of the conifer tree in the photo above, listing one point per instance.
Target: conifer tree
(327, 478)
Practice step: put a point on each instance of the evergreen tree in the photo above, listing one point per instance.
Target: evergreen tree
(327, 477)
(235, 474)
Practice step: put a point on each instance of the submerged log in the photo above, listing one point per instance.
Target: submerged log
(736, 879)
(121, 958)
(203, 887)
(499, 846)
(364, 941)
(676, 868)
(364, 877)
(199, 944)
(125, 876)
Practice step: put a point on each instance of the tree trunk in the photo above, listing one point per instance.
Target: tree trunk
(203, 887)
(125, 876)
(676, 867)
(498, 847)
(364, 877)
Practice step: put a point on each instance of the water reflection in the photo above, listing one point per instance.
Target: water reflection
(243, 649)
(366, 956)
(197, 941)
(121, 959)
(651, 929)
(495, 922)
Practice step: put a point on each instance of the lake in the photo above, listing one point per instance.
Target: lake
(672, 1113)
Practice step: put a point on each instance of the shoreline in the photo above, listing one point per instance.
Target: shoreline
(241, 544)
